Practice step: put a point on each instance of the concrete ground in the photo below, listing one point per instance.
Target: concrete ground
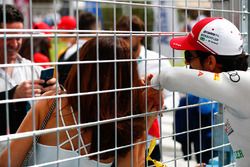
(170, 148)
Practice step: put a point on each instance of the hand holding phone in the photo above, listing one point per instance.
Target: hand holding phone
(46, 75)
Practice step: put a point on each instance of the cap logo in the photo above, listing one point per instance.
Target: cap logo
(210, 37)
(176, 44)
(202, 39)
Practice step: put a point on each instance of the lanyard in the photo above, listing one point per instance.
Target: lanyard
(150, 150)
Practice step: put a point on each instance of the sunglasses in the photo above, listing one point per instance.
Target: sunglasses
(189, 56)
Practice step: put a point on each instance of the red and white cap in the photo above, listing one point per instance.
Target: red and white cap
(212, 34)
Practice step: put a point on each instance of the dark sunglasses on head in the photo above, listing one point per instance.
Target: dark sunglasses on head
(189, 56)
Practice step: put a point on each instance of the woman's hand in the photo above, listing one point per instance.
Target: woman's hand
(155, 99)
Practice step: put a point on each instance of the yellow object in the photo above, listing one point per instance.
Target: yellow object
(61, 47)
(150, 150)
(216, 77)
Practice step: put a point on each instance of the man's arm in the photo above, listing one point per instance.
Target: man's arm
(230, 88)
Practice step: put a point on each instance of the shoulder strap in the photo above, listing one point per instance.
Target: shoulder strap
(47, 117)
(51, 109)
(44, 123)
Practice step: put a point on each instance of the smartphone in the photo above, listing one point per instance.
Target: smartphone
(46, 75)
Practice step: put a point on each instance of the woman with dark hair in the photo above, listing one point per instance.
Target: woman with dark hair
(41, 52)
(108, 90)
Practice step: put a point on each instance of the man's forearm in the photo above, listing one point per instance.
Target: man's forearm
(230, 88)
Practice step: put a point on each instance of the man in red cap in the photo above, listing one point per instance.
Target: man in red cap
(213, 49)
(41, 25)
(86, 21)
(41, 46)
(66, 23)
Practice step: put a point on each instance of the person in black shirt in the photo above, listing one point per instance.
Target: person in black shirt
(87, 21)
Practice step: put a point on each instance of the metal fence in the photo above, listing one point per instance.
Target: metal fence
(163, 20)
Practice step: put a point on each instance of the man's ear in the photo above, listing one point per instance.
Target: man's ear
(211, 63)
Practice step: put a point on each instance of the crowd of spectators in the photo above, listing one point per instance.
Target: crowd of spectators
(87, 71)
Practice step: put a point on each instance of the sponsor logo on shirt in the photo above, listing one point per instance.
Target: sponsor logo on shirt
(234, 76)
(238, 154)
(228, 129)
(200, 73)
(216, 77)
(139, 59)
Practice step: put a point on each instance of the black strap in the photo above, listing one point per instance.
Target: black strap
(44, 123)
(46, 119)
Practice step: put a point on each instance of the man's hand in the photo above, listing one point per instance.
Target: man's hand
(51, 85)
(156, 82)
(24, 90)
(155, 97)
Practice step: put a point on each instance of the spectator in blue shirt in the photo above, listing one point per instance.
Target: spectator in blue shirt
(198, 117)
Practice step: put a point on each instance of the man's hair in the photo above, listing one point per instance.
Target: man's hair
(123, 24)
(228, 63)
(12, 14)
(193, 14)
(87, 21)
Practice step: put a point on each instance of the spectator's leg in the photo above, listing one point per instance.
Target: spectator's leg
(185, 151)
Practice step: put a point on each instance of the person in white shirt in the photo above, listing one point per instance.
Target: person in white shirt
(214, 50)
(16, 80)
(87, 21)
(148, 63)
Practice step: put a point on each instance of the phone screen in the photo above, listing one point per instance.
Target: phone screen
(46, 75)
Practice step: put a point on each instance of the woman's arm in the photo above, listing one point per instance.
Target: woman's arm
(20, 147)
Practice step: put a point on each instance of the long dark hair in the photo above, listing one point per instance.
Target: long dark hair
(112, 104)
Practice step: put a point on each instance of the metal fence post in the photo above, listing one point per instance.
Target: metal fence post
(245, 25)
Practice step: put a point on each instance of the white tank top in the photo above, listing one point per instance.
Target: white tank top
(47, 154)
(71, 158)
